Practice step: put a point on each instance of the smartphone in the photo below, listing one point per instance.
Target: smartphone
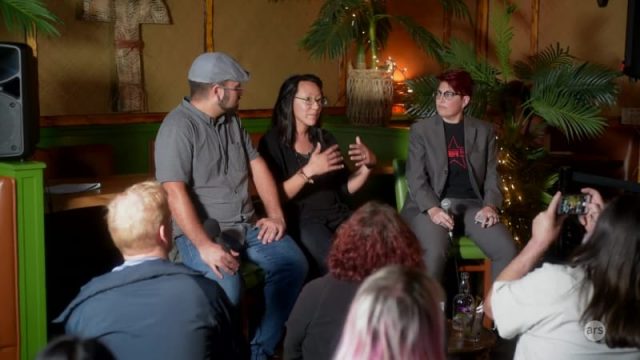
(573, 204)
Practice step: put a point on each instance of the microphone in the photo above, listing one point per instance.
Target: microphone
(212, 228)
(445, 204)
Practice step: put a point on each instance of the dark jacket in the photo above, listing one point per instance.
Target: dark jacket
(156, 310)
(427, 163)
(315, 324)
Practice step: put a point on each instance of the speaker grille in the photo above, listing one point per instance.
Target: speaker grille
(11, 141)
(19, 110)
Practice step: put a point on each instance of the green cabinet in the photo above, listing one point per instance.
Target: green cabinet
(31, 253)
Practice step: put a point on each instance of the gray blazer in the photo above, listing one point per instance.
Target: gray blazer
(427, 163)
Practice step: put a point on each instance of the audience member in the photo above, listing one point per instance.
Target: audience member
(204, 159)
(67, 347)
(149, 307)
(306, 162)
(586, 309)
(396, 314)
(453, 156)
(373, 237)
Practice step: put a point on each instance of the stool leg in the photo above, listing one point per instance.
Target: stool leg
(487, 282)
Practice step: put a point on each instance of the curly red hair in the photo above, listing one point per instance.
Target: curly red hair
(373, 237)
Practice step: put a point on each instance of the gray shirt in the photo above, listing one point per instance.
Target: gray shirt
(211, 156)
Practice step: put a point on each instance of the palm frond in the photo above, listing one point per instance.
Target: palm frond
(461, 55)
(24, 15)
(425, 39)
(458, 8)
(504, 35)
(338, 25)
(592, 84)
(560, 110)
(549, 57)
(421, 102)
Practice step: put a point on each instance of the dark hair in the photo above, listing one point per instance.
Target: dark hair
(611, 260)
(283, 119)
(459, 80)
(75, 348)
(373, 237)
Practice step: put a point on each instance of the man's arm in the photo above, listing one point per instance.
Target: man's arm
(185, 215)
(273, 226)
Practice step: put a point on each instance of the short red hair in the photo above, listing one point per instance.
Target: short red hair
(459, 80)
(373, 237)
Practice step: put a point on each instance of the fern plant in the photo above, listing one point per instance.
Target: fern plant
(27, 16)
(550, 88)
(343, 25)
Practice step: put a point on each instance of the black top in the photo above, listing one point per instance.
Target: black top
(458, 185)
(315, 323)
(319, 202)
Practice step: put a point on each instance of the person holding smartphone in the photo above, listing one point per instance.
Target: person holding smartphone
(585, 309)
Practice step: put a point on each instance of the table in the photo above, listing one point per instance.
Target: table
(110, 186)
(461, 348)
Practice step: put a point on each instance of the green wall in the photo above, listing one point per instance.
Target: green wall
(131, 143)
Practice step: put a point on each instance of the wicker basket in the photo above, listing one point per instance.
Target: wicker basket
(369, 97)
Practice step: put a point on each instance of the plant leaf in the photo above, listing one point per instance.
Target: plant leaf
(421, 102)
(24, 15)
(546, 58)
(504, 35)
(462, 55)
(458, 8)
(338, 25)
(559, 109)
(425, 39)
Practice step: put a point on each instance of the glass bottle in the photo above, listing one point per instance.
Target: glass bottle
(463, 306)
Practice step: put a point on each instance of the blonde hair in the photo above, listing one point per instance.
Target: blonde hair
(135, 216)
(395, 315)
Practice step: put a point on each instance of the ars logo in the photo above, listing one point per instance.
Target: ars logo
(594, 331)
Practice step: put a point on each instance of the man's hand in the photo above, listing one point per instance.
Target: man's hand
(218, 259)
(487, 217)
(440, 217)
(547, 224)
(271, 229)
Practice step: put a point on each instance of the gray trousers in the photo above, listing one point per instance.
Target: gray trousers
(496, 241)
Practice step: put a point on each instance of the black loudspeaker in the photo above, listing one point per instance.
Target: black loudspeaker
(19, 105)
(631, 64)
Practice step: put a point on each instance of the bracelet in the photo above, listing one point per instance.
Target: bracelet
(307, 179)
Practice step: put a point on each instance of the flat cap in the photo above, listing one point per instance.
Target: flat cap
(216, 67)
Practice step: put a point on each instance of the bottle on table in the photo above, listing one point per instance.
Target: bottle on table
(463, 306)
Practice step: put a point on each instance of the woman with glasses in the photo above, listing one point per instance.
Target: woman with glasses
(453, 181)
(307, 163)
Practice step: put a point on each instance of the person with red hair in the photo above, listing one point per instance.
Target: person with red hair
(373, 237)
(453, 156)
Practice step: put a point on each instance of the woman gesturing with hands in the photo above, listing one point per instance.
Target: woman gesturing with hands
(309, 166)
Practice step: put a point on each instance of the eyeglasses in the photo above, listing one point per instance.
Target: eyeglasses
(238, 89)
(309, 101)
(448, 95)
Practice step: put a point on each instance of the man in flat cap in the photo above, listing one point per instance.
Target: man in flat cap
(204, 158)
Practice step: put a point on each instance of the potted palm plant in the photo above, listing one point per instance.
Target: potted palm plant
(359, 29)
(548, 89)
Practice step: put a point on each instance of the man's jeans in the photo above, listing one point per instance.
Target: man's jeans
(284, 267)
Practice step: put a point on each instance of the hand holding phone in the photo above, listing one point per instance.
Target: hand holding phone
(573, 204)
